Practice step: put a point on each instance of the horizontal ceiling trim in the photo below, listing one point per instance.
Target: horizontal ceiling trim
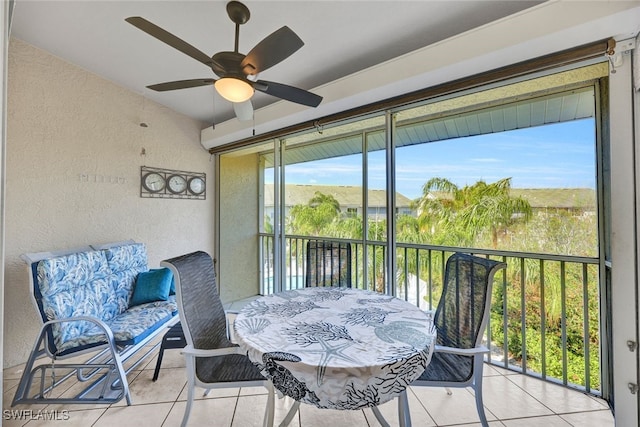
(543, 63)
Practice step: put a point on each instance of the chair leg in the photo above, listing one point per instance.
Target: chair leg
(123, 376)
(270, 409)
(294, 409)
(191, 385)
(187, 409)
(158, 363)
(477, 388)
(379, 416)
(25, 380)
(480, 407)
(403, 410)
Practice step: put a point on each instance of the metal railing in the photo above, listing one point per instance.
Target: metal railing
(545, 308)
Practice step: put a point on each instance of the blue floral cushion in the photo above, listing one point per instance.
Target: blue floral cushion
(127, 257)
(137, 322)
(126, 262)
(75, 268)
(122, 284)
(152, 285)
(75, 285)
(128, 328)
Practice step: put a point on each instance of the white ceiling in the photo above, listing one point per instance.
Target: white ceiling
(341, 38)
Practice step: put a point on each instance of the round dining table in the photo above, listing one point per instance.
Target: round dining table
(336, 348)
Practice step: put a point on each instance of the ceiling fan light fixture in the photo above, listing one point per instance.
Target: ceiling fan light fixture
(234, 89)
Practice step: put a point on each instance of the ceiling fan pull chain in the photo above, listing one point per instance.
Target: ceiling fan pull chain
(213, 109)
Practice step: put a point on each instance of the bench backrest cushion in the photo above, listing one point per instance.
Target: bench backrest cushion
(126, 262)
(75, 285)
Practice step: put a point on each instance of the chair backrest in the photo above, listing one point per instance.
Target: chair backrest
(328, 263)
(463, 309)
(199, 306)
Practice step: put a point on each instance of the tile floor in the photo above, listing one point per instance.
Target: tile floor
(510, 400)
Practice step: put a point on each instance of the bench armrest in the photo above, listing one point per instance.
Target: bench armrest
(109, 338)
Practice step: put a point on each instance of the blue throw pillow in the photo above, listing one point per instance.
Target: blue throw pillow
(152, 285)
(172, 289)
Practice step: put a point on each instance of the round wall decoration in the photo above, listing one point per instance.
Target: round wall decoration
(168, 183)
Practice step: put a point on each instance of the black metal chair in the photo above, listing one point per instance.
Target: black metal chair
(328, 263)
(213, 361)
(173, 338)
(460, 320)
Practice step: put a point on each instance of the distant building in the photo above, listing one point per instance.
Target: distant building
(581, 201)
(349, 197)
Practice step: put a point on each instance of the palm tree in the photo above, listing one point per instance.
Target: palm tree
(312, 218)
(459, 215)
(320, 198)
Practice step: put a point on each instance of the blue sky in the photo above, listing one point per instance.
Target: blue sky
(553, 156)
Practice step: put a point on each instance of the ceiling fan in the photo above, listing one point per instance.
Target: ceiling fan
(237, 72)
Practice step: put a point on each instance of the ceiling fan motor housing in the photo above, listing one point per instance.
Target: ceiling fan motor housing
(227, 64)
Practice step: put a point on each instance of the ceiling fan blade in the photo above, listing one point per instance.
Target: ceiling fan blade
(181, 84)
(273, 49)
(290, 93)
(168, 38)
(244, 110)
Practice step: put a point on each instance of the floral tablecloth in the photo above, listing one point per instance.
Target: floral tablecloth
(337, 348)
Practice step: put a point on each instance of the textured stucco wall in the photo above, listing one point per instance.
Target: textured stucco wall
(73, 175)
(238, 258)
